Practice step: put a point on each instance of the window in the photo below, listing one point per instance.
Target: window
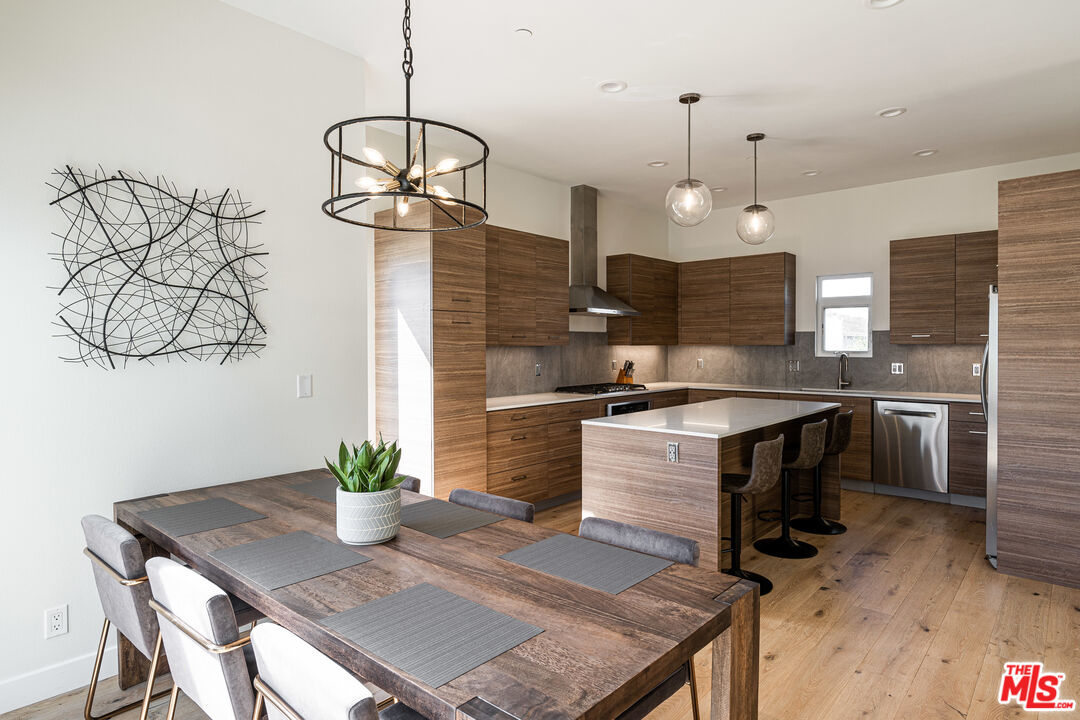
(843, 315)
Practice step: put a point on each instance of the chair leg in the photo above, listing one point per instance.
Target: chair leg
(92, 690)
(816, 523)
(150, 680)
(172, 702)
(693, 690)
(735, 523)
(785, 546)
(258, 705)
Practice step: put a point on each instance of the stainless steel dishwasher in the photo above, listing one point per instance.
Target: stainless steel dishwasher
(911, 445)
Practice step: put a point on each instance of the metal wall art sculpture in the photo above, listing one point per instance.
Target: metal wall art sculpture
(153, 275)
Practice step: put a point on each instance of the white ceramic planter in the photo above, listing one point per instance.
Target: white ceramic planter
(368, 518)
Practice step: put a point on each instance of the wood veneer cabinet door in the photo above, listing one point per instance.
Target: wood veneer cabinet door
(856, 462)
(704, 298)
(697, 395)
(552, 291)
(922, 291)
(619, 329)
(491, 283)
(1038, 378)
(762, 301)
(976, 271)
(517, 288)
(650, 286)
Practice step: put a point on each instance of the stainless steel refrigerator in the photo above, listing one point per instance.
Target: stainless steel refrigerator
(990, 410)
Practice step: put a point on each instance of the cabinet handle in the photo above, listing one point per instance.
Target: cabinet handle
(976, 413)
(461, 322)
(515, 438)
(468, 300)
(984, 334)
(518, 336)
(977, 432)
(518, 477)
(921, 335)
(518, 417)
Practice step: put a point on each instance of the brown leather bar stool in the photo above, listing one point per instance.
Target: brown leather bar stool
(764, 472)
(811, 450)
(837, 442)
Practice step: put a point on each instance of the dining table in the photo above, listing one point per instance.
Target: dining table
(592, 653)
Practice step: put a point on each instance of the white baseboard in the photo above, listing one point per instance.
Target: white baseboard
(52, 680)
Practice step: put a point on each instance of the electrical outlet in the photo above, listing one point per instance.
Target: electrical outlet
(976, 369)
(898, 368)
(794, 365)
(673, 452)
(56, 621)
(303, 386)
(613, 366)
(700, 363)
(539, 367)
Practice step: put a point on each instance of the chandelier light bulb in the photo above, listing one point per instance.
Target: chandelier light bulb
(446, 165)
(415, 172)
(366, 182)
(373, 156)
(402, 206)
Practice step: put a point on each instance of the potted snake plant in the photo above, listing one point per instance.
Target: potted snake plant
(368, 492)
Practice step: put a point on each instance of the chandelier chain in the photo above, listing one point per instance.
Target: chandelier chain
(406, 31)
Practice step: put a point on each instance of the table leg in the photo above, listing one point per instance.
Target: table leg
(735, 659)
(132, 666)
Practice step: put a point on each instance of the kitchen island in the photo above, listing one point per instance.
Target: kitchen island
(627, 475)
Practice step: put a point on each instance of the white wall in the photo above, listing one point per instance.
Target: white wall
(213, 98)
(848, 231)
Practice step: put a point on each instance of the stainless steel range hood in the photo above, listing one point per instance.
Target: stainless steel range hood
(585, 297)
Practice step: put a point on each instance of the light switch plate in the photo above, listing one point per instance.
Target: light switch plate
(673, 452)
(976, 369)
(898, 368)
(303, 386)
(700, 363)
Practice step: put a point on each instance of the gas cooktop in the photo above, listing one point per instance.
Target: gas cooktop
(599, 388)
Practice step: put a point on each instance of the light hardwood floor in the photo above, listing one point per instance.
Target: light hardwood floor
(901, 617)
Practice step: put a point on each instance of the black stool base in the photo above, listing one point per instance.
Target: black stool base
(818, 526)
(764, 582)
(782, 547)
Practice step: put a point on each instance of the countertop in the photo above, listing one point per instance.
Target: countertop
(509, 402)
(715, 418)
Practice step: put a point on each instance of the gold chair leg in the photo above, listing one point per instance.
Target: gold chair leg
(172, 702)
(92, 690)
(258, 705)
(693, 690)
(150, 680)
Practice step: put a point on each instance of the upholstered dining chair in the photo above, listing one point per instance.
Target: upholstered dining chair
(209, 659)
(297, 682)
(410, 483)
(669, 547)
(120, 576)
(497, 504)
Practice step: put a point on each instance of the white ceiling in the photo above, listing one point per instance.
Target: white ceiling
(985, 81)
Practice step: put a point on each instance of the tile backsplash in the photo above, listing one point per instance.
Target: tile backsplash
(587, 359)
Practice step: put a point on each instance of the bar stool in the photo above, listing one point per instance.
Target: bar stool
(811, 450)
(838, 441)
(764, 472)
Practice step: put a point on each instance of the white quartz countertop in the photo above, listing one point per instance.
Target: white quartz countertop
(509, 402)
(715, 418)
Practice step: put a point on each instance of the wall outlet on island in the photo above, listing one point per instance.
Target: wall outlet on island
(976, 369)
(673, 452)
(898, 368)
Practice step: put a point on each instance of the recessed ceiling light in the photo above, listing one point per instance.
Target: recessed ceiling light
(891, 112)
(658, 163)
(612, 86)
(718, 189)
(882, 4)
(811, 173)
(523, 32)
(925, 153)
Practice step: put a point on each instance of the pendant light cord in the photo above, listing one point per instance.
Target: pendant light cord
(688, 176)
(755, 173)
(406, 63)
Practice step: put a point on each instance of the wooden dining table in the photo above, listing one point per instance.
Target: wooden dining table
(597, 655)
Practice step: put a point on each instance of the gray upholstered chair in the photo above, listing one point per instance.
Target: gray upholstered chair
(410, 483)
(810, 451)
(208, 658)
(659, 544)
(497, 504)
(764, 473)
(297, 682)
(120, 575)
(837, 440)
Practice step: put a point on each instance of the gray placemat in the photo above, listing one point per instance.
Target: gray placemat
(443, 519)
(194, 517)
(586, 562)
(431, 633)
(286, 559)
(324, 488)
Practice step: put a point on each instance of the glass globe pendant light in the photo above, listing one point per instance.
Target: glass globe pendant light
(688, 201)
(756, 223)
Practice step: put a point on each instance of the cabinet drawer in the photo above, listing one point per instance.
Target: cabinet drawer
(704, 395)
(758, 395)
(518, 418)
(527, 483)
(668, 399)
(564, 477)
(574, 411)
(967, 413)
(564, 439)
(458, 280)
(516, 448)
(967, 459)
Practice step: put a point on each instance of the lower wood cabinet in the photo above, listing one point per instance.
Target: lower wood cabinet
(856, 463)
(697, 396)
(668, 399)
(967, 450)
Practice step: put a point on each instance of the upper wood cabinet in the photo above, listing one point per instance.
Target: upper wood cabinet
(527, 288)
(762, 302)
(704, 295)
(976, 271)
(922, 291)
(650, 286)
(939, 288)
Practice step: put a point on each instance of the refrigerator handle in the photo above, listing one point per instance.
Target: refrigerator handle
(982, 380)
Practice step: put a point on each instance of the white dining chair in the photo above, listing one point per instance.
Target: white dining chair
(297, 682)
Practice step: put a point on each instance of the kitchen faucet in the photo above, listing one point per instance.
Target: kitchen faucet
(841, 383)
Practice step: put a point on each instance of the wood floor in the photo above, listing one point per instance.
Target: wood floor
(901, 617)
